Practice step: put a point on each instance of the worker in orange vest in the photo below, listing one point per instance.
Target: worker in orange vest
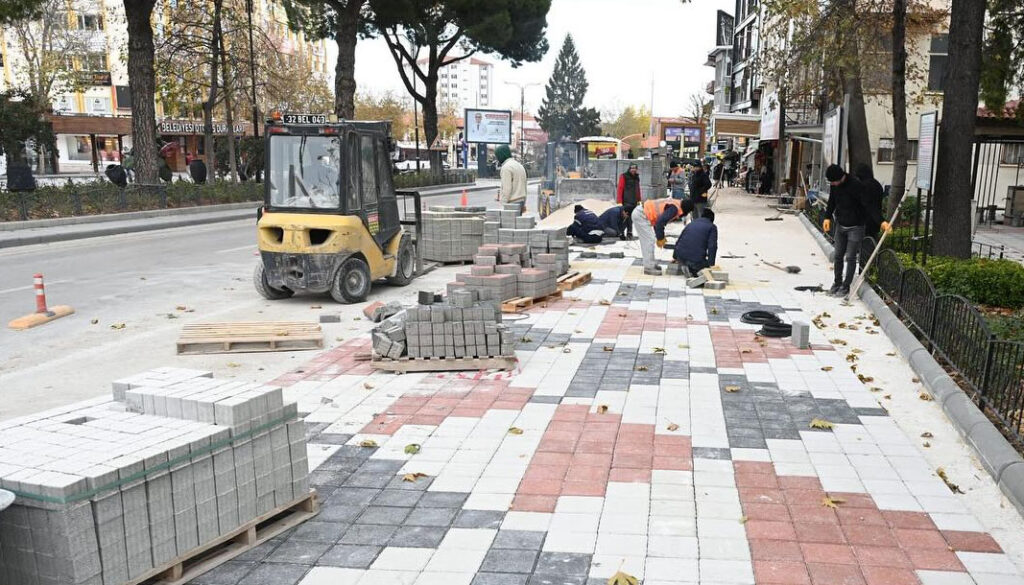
(649, 221)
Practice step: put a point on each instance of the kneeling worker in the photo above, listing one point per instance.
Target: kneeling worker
(613, 222)
(585, 226)
(697, 246)
(649, 221)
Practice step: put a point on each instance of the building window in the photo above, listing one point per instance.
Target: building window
(885, 150)
(93, 62)
(90, 22)
(1012, 154)
(938, 55)
(79, 148)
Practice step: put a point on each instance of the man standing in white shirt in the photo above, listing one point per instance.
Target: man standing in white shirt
(513, 178)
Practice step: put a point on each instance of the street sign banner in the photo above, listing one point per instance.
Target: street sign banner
(926, 150)
(831, 138)
(770, 118)
(489, 126)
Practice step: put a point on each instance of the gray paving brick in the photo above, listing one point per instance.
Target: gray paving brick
(509, 561)
(258, 553)
(401, 498)
(500, 579)
(335, 512)
(479, 519)
(388, 466)
(443, 500)
(563, 564)
(374, 534)
(519, 539)
(322, 477)
(348, 496)
(418, 536)
(369, 480)
(316, 531)
(711, 453)
(383, 515)
(431, 517)
(276, 574)
(298, 552)
(539, 579)
(351, 556)
(397, 483)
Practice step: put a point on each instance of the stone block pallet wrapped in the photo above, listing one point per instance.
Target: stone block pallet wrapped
(452, 235)
(108, 490)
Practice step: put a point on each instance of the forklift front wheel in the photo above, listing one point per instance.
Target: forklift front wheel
(406, 263)
(259, 279)
(352, 283)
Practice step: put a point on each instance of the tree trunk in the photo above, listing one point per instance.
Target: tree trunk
(346, 35)
(899, 105)
(142, 83)
(858, 142)
(209, 147)
(952, 188)
(430, 120)
(228, 114)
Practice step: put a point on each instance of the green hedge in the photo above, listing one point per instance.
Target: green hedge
(429, 179)
(99, 197)
(997, 283)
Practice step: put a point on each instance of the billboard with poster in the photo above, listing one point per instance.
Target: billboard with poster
(488, 126)
(926, 150)
(831, 138)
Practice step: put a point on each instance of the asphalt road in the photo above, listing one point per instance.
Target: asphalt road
(140, 280)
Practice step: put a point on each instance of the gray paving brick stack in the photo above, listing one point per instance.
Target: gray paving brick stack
(108, 490)
(466, 324)
(451, 235)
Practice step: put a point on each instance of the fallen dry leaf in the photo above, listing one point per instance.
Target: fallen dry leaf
(820, 423)
(515, 431)
(926, 444)
(887, 396)
(826, 368)
(604, 302)
(743, 519)
(641, 368)
(837, 341)
(856, 350)
(602, 408)
(865, 379)
(232, 364)
(952, 486)
(842, 325)
(925, 396)
(566, 350)
(94, 321)
(608, 348)
(826, 314)
(890, 353)
(830, 502)
(683, 346)
(368, 443)
(118, 326)
(875, 389)
(672, 427)
(316, 306)
(660, 350)
(851, 357)
(368, 385)
(180, 308)
(915, 379)
(412, 477)
(731, 389)
(746, 351)
(525, 339)
(926, 435)
(714, 310)
(620, 578)
(412, 448)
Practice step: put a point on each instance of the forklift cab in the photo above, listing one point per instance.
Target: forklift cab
(330, 220)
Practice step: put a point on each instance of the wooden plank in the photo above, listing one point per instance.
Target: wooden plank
(520, 304)
(575, 281)
(201, 559)
(244, 337)
(445, 364)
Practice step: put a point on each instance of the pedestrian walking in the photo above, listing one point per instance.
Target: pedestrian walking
(697, 247)
(700, 184)
(677, 181)
(650, 220)
(847, 205)
(628, 195)
(513, 178)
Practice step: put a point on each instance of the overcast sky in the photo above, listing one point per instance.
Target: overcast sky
(622, 44)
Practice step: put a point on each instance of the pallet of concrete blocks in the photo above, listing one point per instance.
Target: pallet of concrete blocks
(450, 235)
(110, 492)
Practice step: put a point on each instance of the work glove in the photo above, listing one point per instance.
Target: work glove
(827, 225)
(661, 243)
(886, 227)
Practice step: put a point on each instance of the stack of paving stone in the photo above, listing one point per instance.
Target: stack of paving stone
(108, 490)
(506, 226)
(465, 325)
(452, 234)
(503, 272)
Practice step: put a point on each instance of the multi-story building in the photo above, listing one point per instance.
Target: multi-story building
(466, 83)
(92, 116)
(728, 129)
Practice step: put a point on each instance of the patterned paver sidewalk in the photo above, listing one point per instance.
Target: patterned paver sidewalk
(649, 431)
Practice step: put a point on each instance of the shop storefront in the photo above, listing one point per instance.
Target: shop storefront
(90, 143)
(188, 134)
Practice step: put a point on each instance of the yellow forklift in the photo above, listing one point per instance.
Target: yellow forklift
(330, 220)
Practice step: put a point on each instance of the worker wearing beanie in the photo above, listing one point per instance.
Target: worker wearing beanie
(848, 206)
(513, 178)
(649, 221)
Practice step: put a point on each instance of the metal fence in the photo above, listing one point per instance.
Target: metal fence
(990, 370)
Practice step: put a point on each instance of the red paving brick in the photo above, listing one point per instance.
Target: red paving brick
(834, 574)
(837, 554)
(781, 573)
(971, 541)
(774, 550)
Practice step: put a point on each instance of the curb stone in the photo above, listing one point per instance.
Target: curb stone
(997, 455)
(13, 226)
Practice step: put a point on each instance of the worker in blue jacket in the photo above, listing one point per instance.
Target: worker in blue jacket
(697, 246)
(586, 227)
(613, 222)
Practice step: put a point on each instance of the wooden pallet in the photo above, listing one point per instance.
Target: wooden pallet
(245, 337)
(437, 364)
(201, 559)
(520, 304)
(573, 280)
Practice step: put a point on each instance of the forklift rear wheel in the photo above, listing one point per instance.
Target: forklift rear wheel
(406, 263)
(259, 279)
(352, 283)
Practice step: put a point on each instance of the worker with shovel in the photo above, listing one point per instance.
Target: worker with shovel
(848, 206)
(649, 221)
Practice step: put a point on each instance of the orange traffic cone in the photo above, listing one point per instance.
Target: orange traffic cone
(464, 202)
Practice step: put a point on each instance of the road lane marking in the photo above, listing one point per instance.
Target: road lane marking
(245, 247)
(29, 286)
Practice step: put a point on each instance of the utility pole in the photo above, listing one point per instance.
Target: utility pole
(252, 74)
(522, 116)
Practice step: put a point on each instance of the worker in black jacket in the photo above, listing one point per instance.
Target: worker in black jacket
(586, 227)
(697, 246)
(872, 200)
(613, 221)
(848, 207)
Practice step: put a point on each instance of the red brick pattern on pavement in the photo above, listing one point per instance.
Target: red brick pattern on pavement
(795, 538)
(458, 397)
(735, 347)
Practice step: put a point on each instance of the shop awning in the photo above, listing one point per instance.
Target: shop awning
(84, 125)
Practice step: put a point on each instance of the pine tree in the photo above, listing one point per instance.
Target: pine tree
(562, 114)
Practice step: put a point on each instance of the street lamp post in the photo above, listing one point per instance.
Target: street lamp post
(522, 115)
